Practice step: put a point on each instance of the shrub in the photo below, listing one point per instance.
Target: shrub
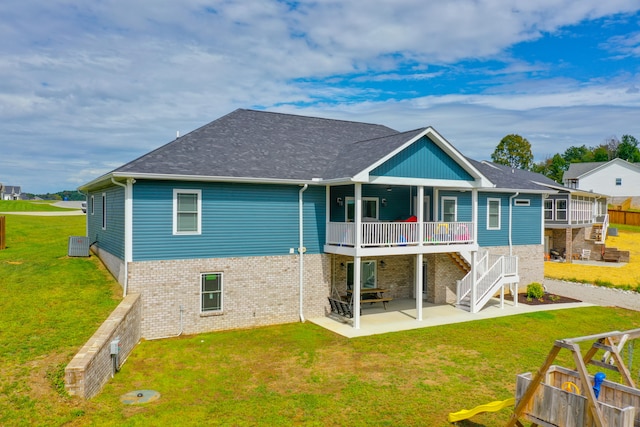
(535, 290)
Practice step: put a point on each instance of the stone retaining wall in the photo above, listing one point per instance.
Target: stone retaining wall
(92, 366)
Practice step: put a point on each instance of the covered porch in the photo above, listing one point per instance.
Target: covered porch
(401, 315)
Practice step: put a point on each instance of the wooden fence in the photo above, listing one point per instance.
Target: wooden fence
(3, 240)
(624, 217)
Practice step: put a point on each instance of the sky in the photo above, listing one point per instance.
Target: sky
(87, 86)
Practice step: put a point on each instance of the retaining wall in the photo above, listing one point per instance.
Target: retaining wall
(92, 366)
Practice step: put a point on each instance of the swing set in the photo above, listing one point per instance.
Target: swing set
(557, 396)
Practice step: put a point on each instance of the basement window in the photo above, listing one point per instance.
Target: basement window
(211, 292)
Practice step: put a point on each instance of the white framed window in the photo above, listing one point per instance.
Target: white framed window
(618, 181)
(369, 208)
(104, 211)
(548, 209)
(449, 209)
(493, 214)
(211, 292)
(561, 210)
(368, 275)
(92, 205)
(187, 211)
(522, 202)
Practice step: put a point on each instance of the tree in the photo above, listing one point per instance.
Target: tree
(515, 151)
(553, 167)
(576, 154)
(628, 149)
(601, 153)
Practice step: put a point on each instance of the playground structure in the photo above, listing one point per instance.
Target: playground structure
(561, 397)
(464, 414)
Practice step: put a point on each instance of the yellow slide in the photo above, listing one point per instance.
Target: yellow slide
(488, 407)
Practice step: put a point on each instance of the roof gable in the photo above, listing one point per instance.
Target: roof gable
(423, 159)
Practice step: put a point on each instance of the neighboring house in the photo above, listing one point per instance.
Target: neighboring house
(575, 221)
(257, 217)
(616, 178)
(10, 192)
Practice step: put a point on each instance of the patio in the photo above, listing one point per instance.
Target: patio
(401, 316)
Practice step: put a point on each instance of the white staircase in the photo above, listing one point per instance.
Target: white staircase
(492, 274)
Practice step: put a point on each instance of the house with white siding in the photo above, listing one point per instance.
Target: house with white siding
(616, 178)
(258, 218)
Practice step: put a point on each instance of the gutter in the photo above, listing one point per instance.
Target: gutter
(511, 222)
(301, 248)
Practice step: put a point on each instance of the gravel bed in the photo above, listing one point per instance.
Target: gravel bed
(591, 294)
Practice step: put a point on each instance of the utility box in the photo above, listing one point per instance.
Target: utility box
(115, 346)
(78, 246)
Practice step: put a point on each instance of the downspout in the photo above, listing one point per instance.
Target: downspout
(127, 229)
(511, 222)
(301, 248)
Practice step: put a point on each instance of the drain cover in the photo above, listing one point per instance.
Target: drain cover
(139, 396)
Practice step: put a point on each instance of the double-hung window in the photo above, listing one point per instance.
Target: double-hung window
(449, 209)
(187, 211)
(548, 209)
(561, 210)
(211, 292)
(493, 214)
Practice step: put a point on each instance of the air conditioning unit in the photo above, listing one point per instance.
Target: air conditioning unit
(78, 246)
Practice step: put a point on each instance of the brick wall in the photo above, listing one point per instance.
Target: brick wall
(92, 366)
(530, 262)
(257, 291)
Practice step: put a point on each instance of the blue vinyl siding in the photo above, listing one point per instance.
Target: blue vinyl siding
(423, 159)
(527, 225)
(112, 238)
(398, 201)
(463, 204)
(237, 220)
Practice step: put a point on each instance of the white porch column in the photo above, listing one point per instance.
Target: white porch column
(474, 214)
(474, 282)
(356, 290)
(356, 259)
(419, 281)
(420, 211)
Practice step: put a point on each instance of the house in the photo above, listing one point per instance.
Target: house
(10, 192)
(616, 178)
(257, 218)
(575, 221)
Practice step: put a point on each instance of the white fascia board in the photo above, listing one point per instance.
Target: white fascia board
(441, 183)
(198, 178)
(515, 190)
(443, 144)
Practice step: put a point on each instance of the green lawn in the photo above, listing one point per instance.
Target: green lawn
(28, 206)
(295, 374)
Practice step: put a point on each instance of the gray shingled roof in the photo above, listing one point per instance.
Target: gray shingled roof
(258, 144)
(578, 169)
(514, 179)
(265, 145)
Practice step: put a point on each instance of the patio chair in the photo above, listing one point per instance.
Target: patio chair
(586, 254)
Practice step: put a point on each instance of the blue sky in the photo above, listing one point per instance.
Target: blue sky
(88, 86)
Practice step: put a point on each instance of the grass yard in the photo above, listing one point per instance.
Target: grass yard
(29, 206)
(627, 277)
(294, 374)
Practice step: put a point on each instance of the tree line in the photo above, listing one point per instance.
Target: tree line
(515, 151)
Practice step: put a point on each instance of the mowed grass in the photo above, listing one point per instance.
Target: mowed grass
(294, 374)
(29, 206)
(50, 305)
(626, 277)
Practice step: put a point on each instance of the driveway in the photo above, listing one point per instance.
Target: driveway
(74, 209)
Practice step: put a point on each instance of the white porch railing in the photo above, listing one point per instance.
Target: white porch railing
(400, 233)
(490, 271)
(605, 226)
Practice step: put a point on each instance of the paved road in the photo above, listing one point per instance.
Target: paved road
(594, 294)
